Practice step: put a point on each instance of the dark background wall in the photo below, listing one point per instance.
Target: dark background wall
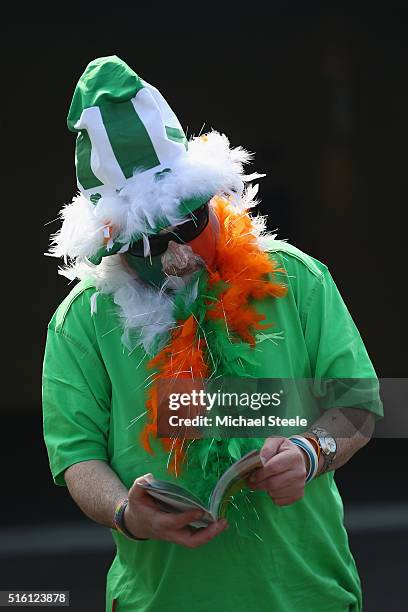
(319, 94)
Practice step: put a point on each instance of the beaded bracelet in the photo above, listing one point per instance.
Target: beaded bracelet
(305, 445)
(118, 519)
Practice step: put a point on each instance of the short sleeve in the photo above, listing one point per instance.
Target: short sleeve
(76, 403)
(344, 375)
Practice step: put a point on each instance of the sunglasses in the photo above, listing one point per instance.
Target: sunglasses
(183, 233)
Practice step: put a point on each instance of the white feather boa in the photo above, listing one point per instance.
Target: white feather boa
(209, 167)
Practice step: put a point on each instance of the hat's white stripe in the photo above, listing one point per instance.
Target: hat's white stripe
(103, 161)
(169, 118)
(151, 114)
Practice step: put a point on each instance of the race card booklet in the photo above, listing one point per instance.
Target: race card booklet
(174, 498)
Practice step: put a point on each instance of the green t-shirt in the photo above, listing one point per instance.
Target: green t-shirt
(94, 392)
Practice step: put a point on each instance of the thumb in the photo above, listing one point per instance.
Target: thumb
(270, 448)
(136, 491)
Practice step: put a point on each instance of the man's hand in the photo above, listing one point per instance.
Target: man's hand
(283, 475)
(144, 519)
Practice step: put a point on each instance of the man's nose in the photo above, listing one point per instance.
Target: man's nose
(176, 255)
(174, 246)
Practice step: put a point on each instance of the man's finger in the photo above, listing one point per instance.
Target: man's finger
(169, 521)
(278, 464)
(286, 501)
(193, 539)
(270, 448)
(273, 483)
(286, 492)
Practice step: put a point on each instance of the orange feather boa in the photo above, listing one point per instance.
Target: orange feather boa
(242, 266)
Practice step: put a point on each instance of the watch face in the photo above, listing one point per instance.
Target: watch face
(327, 442)
(331, 445)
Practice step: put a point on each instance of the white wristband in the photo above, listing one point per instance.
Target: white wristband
(308, 448)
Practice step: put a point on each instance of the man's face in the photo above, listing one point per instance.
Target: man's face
(178, 259)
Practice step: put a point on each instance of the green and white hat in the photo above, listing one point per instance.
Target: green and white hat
(136, 172)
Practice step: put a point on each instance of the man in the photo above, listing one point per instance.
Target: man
(176, 281)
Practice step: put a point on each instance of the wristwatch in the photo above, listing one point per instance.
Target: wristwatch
(328, 446)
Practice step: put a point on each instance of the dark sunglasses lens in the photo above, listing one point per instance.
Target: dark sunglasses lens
(181, 234)
(158, 245)
(193, 228)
